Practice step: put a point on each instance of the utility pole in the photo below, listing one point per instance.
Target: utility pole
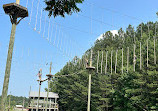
(49, 76)
(15, 11)
(90, 69)
(40, 82)
(23, 104)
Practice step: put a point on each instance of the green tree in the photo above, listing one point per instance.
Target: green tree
(132, 91)
(62, 7)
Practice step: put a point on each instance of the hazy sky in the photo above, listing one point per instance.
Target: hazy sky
(62, 38)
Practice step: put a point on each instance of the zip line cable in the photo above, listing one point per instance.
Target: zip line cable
(91, 18)
(114, 11)
(68, 75)
(96, 20)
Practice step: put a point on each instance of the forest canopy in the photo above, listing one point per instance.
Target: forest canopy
(125, 81)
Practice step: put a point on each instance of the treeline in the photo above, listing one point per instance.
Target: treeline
(126, 75)
(16, 100)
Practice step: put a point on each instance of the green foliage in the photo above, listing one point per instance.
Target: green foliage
(15, 100)
(62, 7)
(133, 91)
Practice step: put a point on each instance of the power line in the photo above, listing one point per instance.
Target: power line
(99, 21)
(114, 11)
(68, 75)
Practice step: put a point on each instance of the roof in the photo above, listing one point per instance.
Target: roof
(19, 106)
(44, 94)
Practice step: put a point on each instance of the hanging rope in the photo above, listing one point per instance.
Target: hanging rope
(31, 11)
(70, 49)
(55, 35)
(111, 60)
(122, 60)
(102, 63)
(112, 24)
(48, 30)
(134, 37)
(127, 58)
(154, 51)
(40, 22)
(140, 57)
(26, 3)
(36, 14)
(58, 37)
(147, 52)
(116, 62)
(61, 41)
(79, 62)
(51, 33)
(44, 25)
(97, 61)
(106, 62)
(141, 30)
(148, 30)
(154, 43)
(134, 58)
(69, 65)
(64, 44)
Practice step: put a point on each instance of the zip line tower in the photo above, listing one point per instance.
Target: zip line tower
(15, 11)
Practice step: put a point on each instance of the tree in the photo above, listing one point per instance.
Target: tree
(133, 90)
(62, 7)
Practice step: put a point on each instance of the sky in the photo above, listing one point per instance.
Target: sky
(58, 40)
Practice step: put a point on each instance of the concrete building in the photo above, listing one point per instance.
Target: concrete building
(52, 104)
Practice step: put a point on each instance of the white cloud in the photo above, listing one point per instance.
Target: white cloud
(112, 31)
